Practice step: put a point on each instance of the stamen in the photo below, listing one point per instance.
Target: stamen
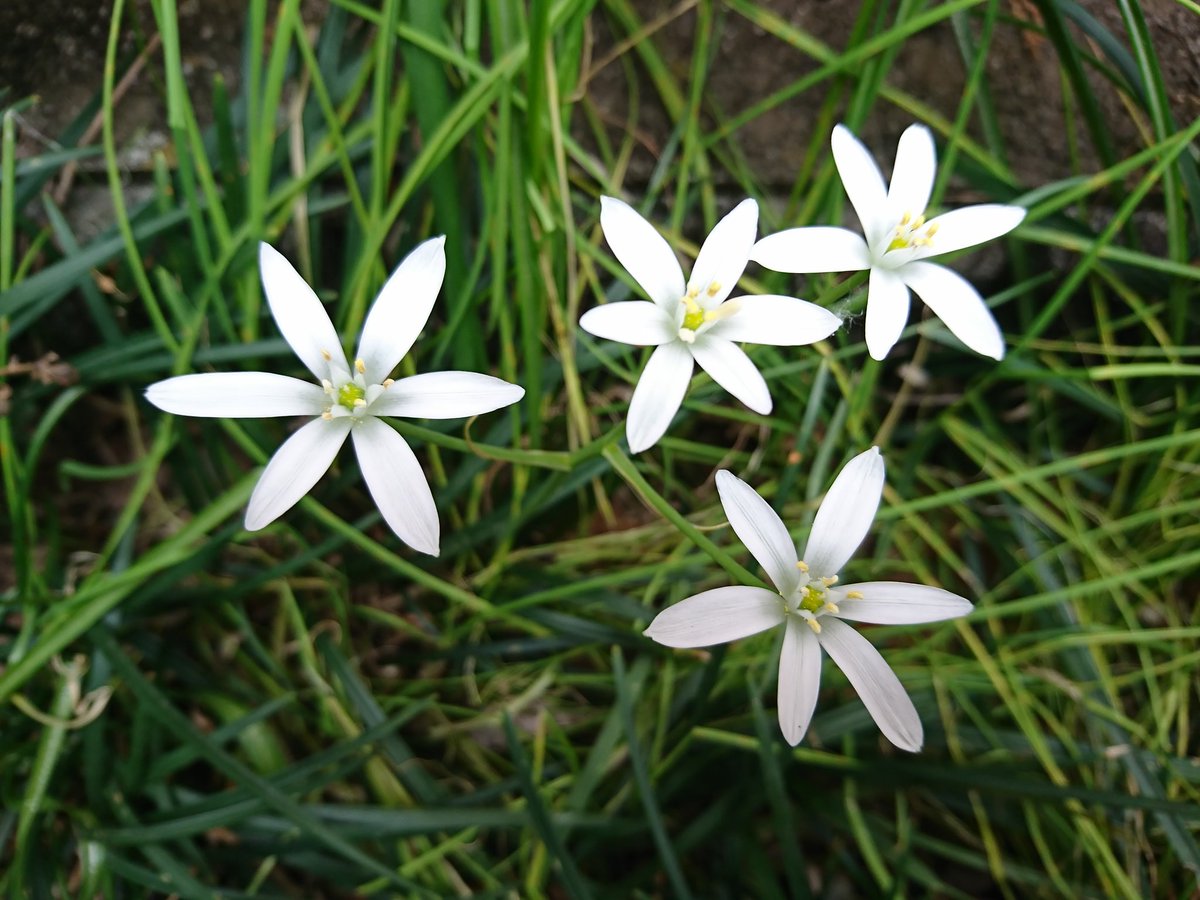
(854, 595)
(360, 403)
(829, 580)
(932, 229)
(830, 606)
(327, 415)
(814, 625)
(388, 382)
(328, 356)
(714, 288)
(724, 311)
(687, 335)
(360, 366)
(802, 565)
(327, 386)
(906, 218)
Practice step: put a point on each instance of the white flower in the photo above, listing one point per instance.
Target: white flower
(698, 322)
(898, 241)
(348, 398)
(809, 605)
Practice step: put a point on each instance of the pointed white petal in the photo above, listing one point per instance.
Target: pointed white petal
(402, 309)
(237, 395)
(657, 396)
(957, 304)
(845, 514)
(912, 176)
(876, 683)
(717, 616)
(724, 255)
(445, 395)
(887, 311)
(799, 679)
(732, 369)
(643, 252)
(635, 322)
(898, 603)
(812, 249)
(971, 225)
(299, 314)
(863, 182)
(294, 469)
(761, 530)
(397, 484)
(776, 320)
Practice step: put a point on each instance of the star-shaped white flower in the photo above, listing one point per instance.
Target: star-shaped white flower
(348, 398)
(699, 322)
(811, 605)
(898, 241)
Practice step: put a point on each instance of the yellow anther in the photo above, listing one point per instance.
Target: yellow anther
(328, 356)
(906, 218)
(388, 382)
(854, 595)
(327, 385)
(692, 292)
(830, 606)
(918, 222)
(327, 415)
(802, 565)
(932, 229)
(360, 403)
(829, 580)
(724, 311)
(714, 288)
(814, 625)
(360, 366)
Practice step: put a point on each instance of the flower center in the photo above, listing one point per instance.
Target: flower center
(696, 317)
(812, 598)
(349, 395)
(911, 233)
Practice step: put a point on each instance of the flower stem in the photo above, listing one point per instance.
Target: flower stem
(627, 470)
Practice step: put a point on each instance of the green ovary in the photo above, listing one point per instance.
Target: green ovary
(349, 394)
(693, 319)
(812, 600)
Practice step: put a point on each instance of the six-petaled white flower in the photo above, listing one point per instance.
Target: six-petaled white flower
(348, 398)
(697, 321)
(810, 604)
(898, 241)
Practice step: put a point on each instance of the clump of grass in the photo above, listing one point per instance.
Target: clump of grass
(190, 709)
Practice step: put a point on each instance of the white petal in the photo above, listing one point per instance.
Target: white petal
(912, 176)
(799, 679)
(957, 304)
(971, 225)
(761, 530)
(445, 395)
(294, 469)
(657, 396)
(863, 183)
(299, 314)
(635, 322)
(717, 616)
(876, 683)
(397, 484)
(845, 514)
(812, 249)
(643, 252)
(898, 603)
(724, 254)
(776, 320)
(732, 369)
(237, 395)
(887, 311)
(402, 309)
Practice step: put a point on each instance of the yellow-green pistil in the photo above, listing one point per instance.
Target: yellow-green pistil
(350, 394)
(696, 316)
